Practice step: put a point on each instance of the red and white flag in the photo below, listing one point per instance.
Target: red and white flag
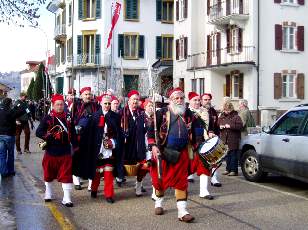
(115, 17)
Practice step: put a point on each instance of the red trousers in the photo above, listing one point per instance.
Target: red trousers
(57, 167)
(106, 172)
(196, 166)
(173, 175)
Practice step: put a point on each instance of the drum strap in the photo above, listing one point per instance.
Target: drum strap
(168, 126)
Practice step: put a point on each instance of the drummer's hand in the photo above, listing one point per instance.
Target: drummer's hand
(155, 152)
(211, 135)
(227, 126)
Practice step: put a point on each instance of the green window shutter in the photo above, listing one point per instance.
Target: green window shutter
(158, 47)
(141, 46)
(97, 48)
(98, 9)
(158, 10)
(131, 9)
(120, 45)
(79, 44)
(80, 9)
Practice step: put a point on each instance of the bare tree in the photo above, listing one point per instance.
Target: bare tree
(20, 12)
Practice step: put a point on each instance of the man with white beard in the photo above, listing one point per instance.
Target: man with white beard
(174, 136)
(206, 100)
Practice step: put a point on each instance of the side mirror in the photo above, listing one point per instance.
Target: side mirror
(266, 129)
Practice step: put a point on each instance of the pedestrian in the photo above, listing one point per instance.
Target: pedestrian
(106, 131)
(213, 128)
(133, 124)
(57, 132)
(230, 125)
(83, 111)
(246, 117)
(8, 117)
(199, 129)
(115, 104)
(174, 135)
(22, 123)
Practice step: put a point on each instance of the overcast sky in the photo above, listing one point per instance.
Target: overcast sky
(18, 45)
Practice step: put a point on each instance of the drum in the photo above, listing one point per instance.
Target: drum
(212, 151)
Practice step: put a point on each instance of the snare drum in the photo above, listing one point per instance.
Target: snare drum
(212, 151)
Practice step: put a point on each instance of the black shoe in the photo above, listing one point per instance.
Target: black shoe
(27, 151)
(209, 197)
(19, 152)
(78, 187)
(143, 189)
(119, 184)
(216, 184)
(93, 194)
(110, 200)
(69, 204)
(47, 200)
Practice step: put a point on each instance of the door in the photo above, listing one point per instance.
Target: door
(279, 145)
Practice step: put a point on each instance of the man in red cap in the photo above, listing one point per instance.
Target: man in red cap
(133, 125)
(115, 104)
(82, 112)
(201, 133)
(70, 97)
(106, 133)
(206, 102)
(56, 130)
(174, 138)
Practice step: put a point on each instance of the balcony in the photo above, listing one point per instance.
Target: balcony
(221, 58)
(85, 60)
(60, 34)
(229, 12)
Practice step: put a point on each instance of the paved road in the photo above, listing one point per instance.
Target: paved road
(278, 203)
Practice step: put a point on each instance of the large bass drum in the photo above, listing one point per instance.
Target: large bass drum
(212, 152)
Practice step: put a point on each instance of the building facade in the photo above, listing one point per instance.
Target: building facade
(143, 35)
(243, 49)
(28, 74)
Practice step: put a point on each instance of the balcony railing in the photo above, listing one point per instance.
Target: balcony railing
(222, 57)
(229, 8)
(85, 59)
(60, 32)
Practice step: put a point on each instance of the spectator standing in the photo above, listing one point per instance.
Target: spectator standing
(230, 125)
(7, 136)
(22, 123)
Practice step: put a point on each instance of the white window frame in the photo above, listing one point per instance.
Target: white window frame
(182, 48)
(181, 10)
(289, 2)
(90, 4)
(287, 37)
(288, 86)
(129, 47)
(234, 40)
(214, 45)
(233, 84)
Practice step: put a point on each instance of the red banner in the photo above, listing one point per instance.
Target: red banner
(115, 17)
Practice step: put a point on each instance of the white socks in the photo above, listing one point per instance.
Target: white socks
(159, 202)
(76, 180)
(89, 185)
(204, 185)
(138, 188)
(48, 191)
(67, 188)
(181, 205)
(214, 178)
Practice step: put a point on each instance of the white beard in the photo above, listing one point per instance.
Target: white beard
(178, 109)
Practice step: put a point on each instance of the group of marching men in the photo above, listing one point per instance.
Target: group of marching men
(91, 138)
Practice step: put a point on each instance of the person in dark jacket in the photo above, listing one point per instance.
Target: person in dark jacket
(230, 125)
(57, 131)
(8, 117)
(23, 124)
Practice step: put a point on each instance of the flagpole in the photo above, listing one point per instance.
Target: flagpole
(111, 50)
